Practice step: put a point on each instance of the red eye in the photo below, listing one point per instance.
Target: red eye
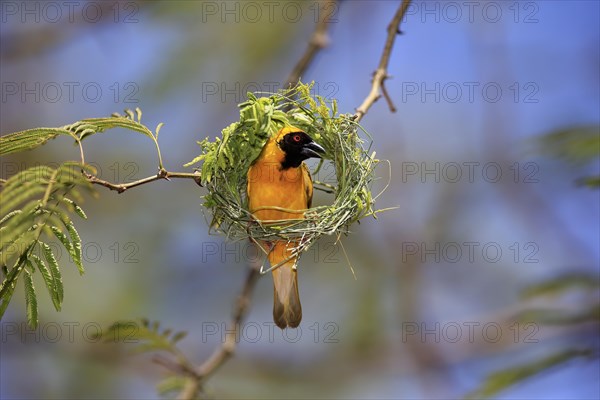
(296, 138)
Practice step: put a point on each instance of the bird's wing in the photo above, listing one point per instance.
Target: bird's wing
(309, 185)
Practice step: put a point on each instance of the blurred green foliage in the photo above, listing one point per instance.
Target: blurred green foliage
(562, 285)
(576, 145)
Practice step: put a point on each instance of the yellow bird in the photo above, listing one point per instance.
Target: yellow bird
(279, 178)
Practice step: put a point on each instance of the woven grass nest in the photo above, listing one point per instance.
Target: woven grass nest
(225, 163)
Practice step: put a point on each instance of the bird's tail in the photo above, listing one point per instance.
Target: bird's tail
(287, 310)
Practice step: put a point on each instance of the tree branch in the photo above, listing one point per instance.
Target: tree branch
(162, 174)
(380, 74)
(221, 354)
(197, 376)
(318, 41)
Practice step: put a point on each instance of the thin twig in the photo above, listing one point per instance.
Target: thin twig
(162, 174)
(380, 75)
(318, 41)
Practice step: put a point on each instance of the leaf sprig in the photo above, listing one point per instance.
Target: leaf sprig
(38, 204)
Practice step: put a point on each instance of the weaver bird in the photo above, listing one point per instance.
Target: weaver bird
(279, 178)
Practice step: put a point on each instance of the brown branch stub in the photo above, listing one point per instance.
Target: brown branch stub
(318, 41)
(380, 74)
(388, 98)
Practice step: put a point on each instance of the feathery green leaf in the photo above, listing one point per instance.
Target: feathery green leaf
(51, 283)
(76, 247)
(63, 239)
(30, 300)
(78, 210)
(28, 139)
(53, 265)
(9, 216)
(7, 287)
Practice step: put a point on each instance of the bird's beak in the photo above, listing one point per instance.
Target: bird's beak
(312, 149)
